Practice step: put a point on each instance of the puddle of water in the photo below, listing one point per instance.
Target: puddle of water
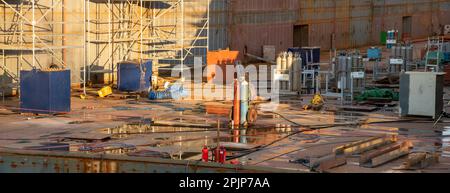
(342, 117)
(79, 122)
(50, 147)
(24, 141)
(123, 108)
(128, 130)
(188, 142)
(106, 148)
(418, 132)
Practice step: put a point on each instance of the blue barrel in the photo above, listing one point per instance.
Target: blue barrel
(45, 92)
(175, 91)
(133, 76)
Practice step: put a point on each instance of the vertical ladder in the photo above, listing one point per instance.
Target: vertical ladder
(435, 44)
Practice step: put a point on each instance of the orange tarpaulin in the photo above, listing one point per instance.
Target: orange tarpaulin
(221, 58)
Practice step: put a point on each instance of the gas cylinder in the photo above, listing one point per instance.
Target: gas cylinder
(216, 154)
(296, 73)
(222, 155)
(236, 103)
(245, 96)
(284, 61)
(289, 60)
(279, 63)
(205, 152)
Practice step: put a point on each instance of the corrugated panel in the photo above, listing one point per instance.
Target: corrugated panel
(218, 19)
(262, 22)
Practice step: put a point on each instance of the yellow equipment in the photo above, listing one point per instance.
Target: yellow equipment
(315, 104)
(105, 91)
(83, 96)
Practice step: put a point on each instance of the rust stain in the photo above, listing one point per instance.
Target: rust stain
(57, 168)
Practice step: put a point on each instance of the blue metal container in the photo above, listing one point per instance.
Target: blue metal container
(446, 56)
(133, 76)
(374, 53)
(45, 92)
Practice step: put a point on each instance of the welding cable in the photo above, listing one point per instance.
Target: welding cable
(310, 128)
(250, 151)
(419, 120)
(303, 148)
(316, 126)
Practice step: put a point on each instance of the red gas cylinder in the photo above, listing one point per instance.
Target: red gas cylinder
(205, 152)
(222, 155)
(216, 154)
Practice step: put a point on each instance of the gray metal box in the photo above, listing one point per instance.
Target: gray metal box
(421, 94)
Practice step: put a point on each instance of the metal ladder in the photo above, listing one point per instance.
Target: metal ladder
(435, 44)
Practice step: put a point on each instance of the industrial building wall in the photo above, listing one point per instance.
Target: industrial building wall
(262, 22)
(251, 24)
(219, 24)
(247, 25)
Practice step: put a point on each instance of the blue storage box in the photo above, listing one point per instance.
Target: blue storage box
(133, 76)
(447, 56)
(374, 53)
(45, 92)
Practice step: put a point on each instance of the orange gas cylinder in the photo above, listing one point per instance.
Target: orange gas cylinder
(236, 103)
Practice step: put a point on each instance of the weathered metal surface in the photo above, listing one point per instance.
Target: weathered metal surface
(368, 145)
(256, 23)
(26, 161)
(338, 23)
(218, 26)
(329, 162)
(389, 156)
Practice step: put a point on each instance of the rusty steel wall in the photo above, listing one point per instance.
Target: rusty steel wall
(262, 22)
(218, 27)
(250, 24)
(30, 161)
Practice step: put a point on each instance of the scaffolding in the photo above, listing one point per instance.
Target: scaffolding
(32, 33)
(32, 36)
(37, 34)
(119, 30)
